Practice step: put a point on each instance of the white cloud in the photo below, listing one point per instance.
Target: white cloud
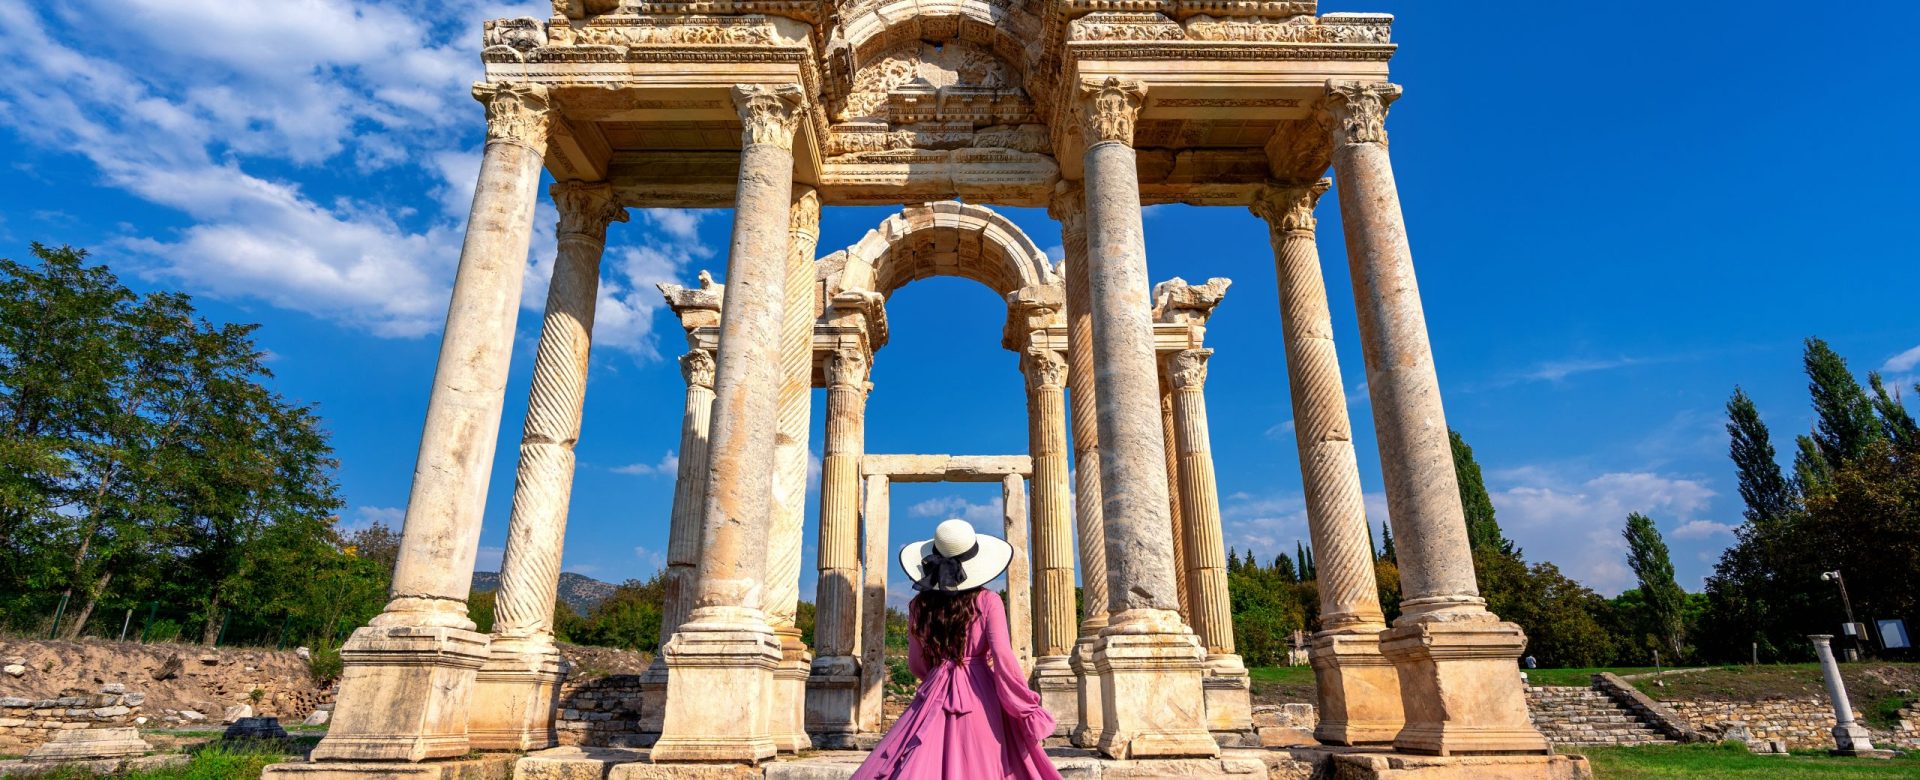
(1557, 370)
(1903, 362)
(1577, 524)
(1056, 253)
(1264, 524)
(1700, 529)
(489, 558)
(668, 465)
(1281, 430)
(365, 517)
(655, 560)
(986, 517)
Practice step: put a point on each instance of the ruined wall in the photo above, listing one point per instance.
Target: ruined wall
(26, 723)
(601, 712)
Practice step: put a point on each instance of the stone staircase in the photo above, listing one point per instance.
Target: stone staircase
(1570, 715)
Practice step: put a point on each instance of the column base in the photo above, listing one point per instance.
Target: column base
(1088, 690)
(403, 694)
(515, 695)
(1229, 695)
(787, 720)
(1358, 690)
(1054, 678)
(1150, 673)
(1460, 688)
(721, 659)
(653, 698)
(1852, 737)
(833, 701)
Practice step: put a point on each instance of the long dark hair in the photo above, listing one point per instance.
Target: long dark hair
(940, 621)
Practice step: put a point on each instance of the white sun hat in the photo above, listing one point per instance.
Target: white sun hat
(962, 559)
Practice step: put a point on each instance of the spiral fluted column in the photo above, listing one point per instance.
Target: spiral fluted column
(1357, 687)
(516, 690)
(790, 453)
(1069, 207)
(423, 639)
(1149, 662)
(725, 653)
(1455, 659)
(1182, 587)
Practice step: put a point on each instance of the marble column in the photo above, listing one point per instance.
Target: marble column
(1069, 207)
(876, 562)
(1150, 664)
(790, 454)
(409, 673)
(1455, 659)
(1358, 689)
(516, 692)
(683, 529)
(1849, 737)
(1013, 503)
(1182, 588)
(726, 652)
(833, 690)
(1053, 615)
(1228, 687)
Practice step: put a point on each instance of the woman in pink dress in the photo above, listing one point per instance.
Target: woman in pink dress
(974, 718)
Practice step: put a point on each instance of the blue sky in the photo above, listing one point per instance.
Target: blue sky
(1615, 221)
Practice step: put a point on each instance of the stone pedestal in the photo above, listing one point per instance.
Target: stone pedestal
(833, 701)
(1153, 697)
(1090, 692)
(787, 716)
(515, 695)
(1391, 766)
(1357, 689)
(721, 664)
(410, 688)
(77, 744)
(1059, 686)
(1460, 688)
(1229, 695)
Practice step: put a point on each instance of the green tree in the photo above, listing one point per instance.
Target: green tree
(629, 618)
(1762, 485)
(1665, 602)
(1386, 544)
(1483, 531)
(1894, 419)
(1844, 421)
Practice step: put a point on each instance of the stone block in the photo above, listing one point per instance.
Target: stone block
(514, 698)
(317, 718)
(650, 771)
(237, 713)
(718, 661)
(499, 767)
(1358, 688)
(404, 694)
(1460, 688)
(1150, 670)
(255, 728)
(91, 743)
(1397, 766)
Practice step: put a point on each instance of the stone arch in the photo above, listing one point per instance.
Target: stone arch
(1006, 27)
(947, 238)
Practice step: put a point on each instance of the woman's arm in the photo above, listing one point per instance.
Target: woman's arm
(1022, 703)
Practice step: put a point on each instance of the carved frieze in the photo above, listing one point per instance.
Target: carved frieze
(927, 68)
(1299, 29)
(1126, 27)
(521, 35)
(670, 30)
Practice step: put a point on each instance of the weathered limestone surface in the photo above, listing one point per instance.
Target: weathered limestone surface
(786, 527)
(947, 468)
(833, 687)
(1358, 690)
(683, 531)
(71, 744)
(725, 653)
(1455, 659)
(515, 692)
(409, 673)
(1054, 624)
(1150, 665)
(877, 560)
(1013, 498)
(1069, 207)
(1849, 737)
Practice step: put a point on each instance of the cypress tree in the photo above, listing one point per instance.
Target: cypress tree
(1812, 474)
(1300, 558)
(1313, 570)
(1283, 567)
(1483, 531)
(1894, 419)
(1664, 600)
(1762, 485)
(1233, 560)
(1844, 423)
(1386, 545)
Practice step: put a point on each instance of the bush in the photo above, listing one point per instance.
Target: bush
(325, 665)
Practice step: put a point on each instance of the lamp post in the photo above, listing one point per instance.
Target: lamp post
(1853, 628)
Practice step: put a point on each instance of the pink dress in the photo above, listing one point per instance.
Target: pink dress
(972, 720)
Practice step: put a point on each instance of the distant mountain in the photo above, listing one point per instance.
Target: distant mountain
(578, 591)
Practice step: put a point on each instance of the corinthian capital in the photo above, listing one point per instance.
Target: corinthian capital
(1044, 368)
(1360, 110)
(803, 218)
(1107, 109)
(1289, 208)
(586, 208)
(697, 367)
(847, 367)
(1188, 368)
(768, 114)
(516, 113)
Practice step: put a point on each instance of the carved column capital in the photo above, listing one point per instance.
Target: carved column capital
(803, 219)
(586, 208)
(1359, 111)
(1044, 368)
(1107, 109)
(1289, 208)
(1069, 204)
(848, 367)
(516, 113)
(697, 367)
(769, 114)
(1188, 368)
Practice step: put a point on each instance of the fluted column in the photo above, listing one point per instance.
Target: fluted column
(689, 493)
(1357, 688)
(833, 690)
(790, 473)
(409, 673)
(517, 689)
(1455, 658)
(1069, 207)
(725, 653)
(1182, 587)
(1210, 613)
(1150, 664)
(1053, 618)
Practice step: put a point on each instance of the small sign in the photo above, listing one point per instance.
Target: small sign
(1893, 634)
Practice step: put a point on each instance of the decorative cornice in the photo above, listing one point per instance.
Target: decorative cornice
(1107, 109)
(697, 367)
(848, 368)
(1188, 368)
(1044, 367)
(586, 208)
(1359, 110)
(516, 113)
(769, 114)
(1289, 209)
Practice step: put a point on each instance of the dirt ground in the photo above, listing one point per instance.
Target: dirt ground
(209, 680)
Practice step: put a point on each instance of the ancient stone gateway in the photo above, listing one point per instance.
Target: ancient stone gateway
(777, 109)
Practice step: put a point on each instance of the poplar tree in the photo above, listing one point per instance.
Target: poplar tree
(1844, 422)
(1665, 602)
(1483, 531)
(1894, 419)
(1762, 485)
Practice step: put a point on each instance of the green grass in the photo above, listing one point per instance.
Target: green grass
(212, 762)
(1285, 675)
(1734, 763)
(1580, 677)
